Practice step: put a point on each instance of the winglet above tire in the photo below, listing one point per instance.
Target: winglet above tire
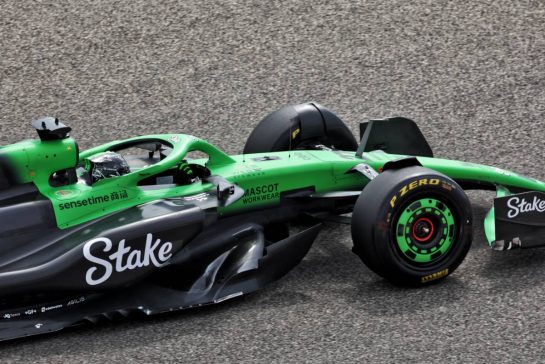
(395, 135)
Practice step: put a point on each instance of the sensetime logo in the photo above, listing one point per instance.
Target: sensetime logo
(517, 206)
(90, 201)
(155, 253)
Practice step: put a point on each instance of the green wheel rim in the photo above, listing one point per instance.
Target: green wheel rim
(425, 231)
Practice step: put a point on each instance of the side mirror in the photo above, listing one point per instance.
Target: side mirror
(224, 191)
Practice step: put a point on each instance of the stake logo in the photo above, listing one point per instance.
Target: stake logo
(155, 253)
(519, 206)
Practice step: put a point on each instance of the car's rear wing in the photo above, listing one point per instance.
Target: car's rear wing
(395, 135)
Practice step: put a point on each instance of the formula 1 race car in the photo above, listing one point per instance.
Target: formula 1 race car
(159, 223)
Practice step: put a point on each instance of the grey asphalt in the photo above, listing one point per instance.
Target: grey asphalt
(471, 73)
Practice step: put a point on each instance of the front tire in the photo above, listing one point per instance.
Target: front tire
(412, 226)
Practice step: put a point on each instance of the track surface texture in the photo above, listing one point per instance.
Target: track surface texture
(470, 73)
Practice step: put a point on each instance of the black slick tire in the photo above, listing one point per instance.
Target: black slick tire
(389, 214)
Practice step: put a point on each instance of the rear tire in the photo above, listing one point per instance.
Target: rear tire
(300, 127)
(412, 226)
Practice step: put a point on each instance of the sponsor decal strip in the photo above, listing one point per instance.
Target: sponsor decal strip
(95, 200)
(32, 311)
(261, 193)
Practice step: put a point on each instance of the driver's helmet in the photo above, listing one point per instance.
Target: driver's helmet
(107, 165)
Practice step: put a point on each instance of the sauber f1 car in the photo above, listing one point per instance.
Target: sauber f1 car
(158, 223)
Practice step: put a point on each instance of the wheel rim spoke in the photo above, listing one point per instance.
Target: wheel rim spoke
(425, 231)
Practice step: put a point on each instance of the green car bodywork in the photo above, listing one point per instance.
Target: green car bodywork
(263, 177)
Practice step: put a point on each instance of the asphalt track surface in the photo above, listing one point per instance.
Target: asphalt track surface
(470, 73)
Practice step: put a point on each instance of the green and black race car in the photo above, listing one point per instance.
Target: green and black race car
(165, 222)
